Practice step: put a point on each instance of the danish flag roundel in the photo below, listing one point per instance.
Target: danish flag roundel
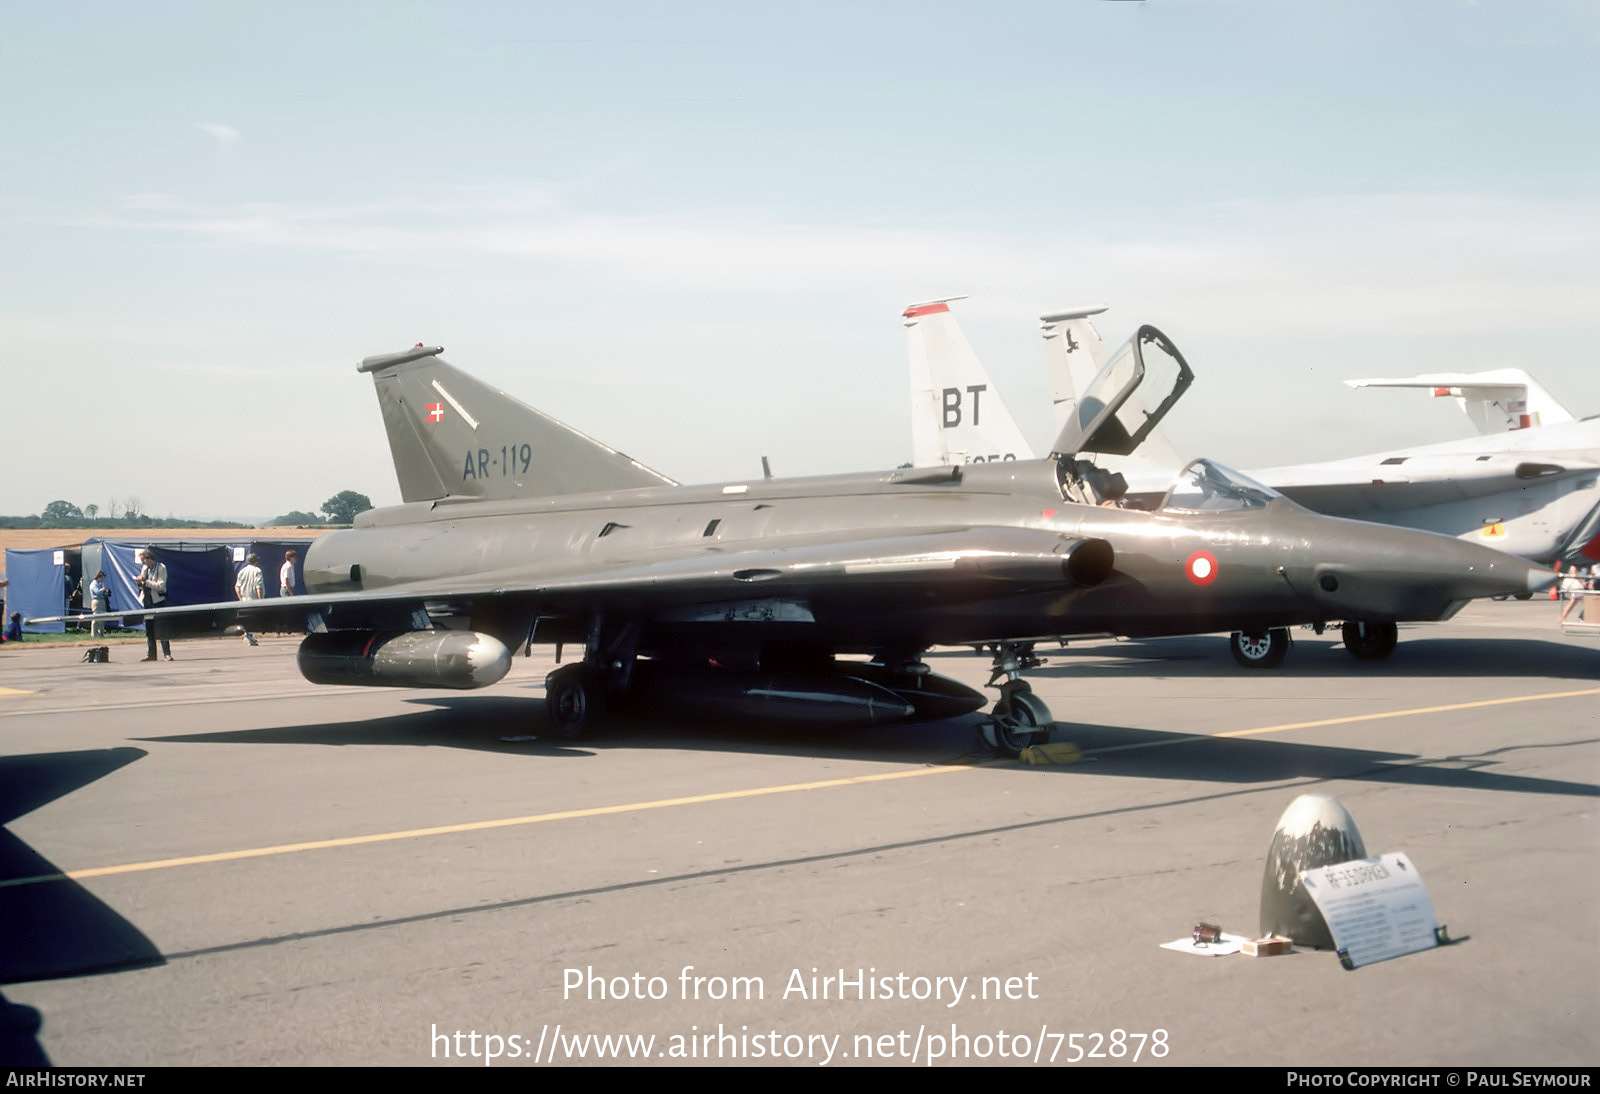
(435, 412)
(1201, 567)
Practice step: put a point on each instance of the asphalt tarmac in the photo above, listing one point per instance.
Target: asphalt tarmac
(212, 862)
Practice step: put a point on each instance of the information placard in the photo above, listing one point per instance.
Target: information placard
(1376, 908)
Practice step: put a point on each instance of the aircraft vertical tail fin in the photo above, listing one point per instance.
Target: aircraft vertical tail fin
(1496, 401)
(1074, 354)
(452, 435)
(957, 414)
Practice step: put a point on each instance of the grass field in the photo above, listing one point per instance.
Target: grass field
(73, 638)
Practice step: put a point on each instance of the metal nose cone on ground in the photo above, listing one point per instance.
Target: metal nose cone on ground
(1316, 830)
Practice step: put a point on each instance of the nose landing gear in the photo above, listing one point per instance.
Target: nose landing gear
(1020, 719)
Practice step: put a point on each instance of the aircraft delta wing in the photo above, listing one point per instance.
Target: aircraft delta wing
(750, 597)
(1527, 488)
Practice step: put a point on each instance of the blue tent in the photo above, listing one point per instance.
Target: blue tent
(121, 565)
(198, 572)
(37, 585)
(193, 576)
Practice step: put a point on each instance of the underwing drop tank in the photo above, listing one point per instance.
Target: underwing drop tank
(413, 659)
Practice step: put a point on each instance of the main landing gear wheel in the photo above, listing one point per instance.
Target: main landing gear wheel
(1370, 641)
(575, 697)
(1021, 720)
(1260, 651)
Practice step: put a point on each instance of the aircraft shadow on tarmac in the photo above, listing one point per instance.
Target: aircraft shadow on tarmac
(515, 723)
(54, 928)
(479, 723)
(1324, 657)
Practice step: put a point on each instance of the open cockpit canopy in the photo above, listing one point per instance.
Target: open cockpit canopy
(1127, 398)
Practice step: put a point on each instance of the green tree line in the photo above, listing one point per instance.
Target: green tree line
(339, 509)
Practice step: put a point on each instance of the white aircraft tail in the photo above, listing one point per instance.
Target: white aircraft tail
(1496, 401)
(957, 414)
(1073, 354)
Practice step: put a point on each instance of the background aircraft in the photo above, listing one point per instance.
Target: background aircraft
(1529, 484)
(957, 417)
(743, 596)
(1496, 401)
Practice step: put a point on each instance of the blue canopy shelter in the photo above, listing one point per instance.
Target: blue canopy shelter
(37, 585)
(198, 572)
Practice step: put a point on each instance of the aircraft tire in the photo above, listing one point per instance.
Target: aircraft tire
(1264, 651)
(1021, 720)
(575, 698)
(1370, 641)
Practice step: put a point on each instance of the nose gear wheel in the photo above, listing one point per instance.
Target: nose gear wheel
(1021, 720)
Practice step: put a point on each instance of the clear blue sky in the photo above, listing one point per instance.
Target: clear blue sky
(689, 229)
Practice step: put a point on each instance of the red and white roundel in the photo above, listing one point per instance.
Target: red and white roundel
(1201, 567)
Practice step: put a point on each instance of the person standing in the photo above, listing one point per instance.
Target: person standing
(152, 594)
(99, 601)
(250, 586)
(286, 575)
(1572, 587)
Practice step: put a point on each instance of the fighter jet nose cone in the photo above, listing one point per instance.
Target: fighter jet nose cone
(1403, 574)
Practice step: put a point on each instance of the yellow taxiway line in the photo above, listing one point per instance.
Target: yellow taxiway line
(756, 792)
(1350, 719)
(478, 826)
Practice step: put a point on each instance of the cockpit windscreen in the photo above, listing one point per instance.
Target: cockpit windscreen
(1207, 487)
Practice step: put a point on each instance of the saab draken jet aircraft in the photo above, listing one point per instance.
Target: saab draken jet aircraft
(749, 597)
(1529, 484)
